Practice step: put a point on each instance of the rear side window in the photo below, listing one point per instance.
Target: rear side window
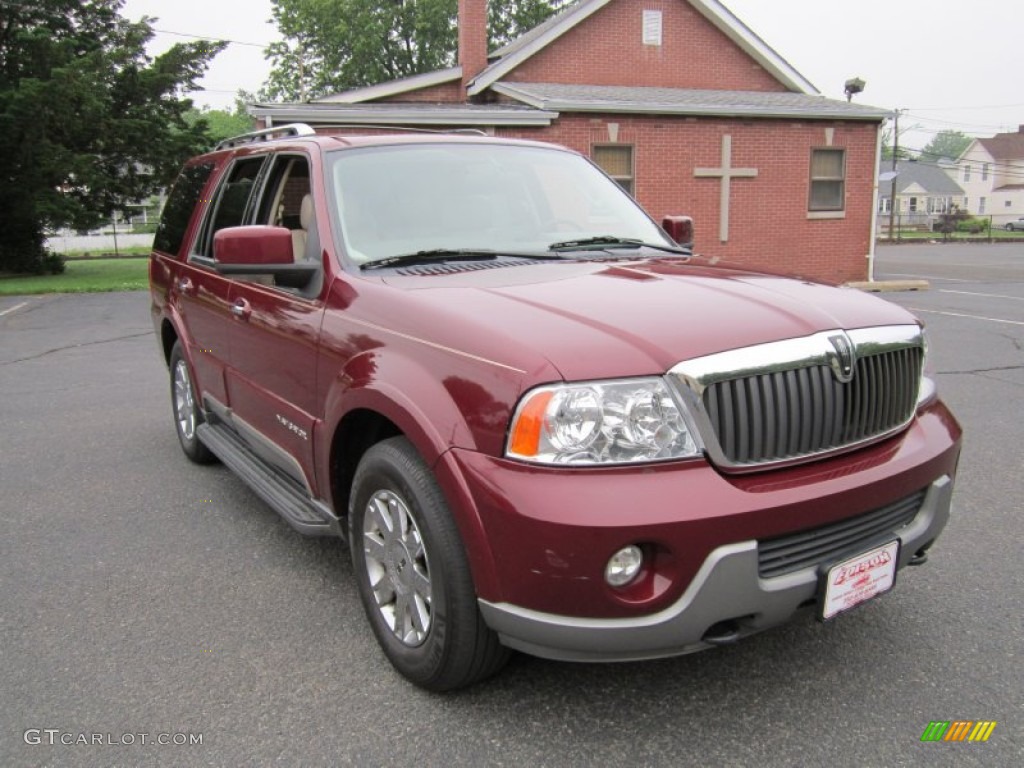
(178, 209)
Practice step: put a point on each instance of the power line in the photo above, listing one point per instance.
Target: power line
(34, 7)
(976, 126)
(956, 109)
(1007, 170)
(211, 39)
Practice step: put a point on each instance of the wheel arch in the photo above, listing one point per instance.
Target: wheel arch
(373, 410)
(168, 335)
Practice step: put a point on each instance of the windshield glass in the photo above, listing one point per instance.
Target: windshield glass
(397, 200)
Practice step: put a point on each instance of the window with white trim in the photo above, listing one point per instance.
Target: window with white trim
(828, 180)
(617, 161)
(981, 204)
(967, 172)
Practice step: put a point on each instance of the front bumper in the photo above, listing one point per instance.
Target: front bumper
(726, 591)
(538, 539)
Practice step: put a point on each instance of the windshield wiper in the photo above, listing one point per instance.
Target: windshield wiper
(434, 254)
(610, 241)
(449, 254)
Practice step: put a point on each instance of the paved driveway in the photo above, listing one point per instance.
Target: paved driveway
(143, 595)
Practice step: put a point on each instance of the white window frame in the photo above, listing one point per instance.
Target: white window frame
(812, 180)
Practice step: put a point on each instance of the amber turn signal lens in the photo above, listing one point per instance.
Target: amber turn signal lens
(526, 430)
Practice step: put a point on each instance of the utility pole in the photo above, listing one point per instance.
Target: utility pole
(892, 194)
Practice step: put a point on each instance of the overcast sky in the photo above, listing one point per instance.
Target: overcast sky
(950, 64)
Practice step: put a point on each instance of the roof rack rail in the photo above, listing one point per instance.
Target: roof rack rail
(407, 128)
(278, 131)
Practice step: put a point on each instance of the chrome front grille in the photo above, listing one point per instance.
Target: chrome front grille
(777, 416)
(796, 399)
(805, 549)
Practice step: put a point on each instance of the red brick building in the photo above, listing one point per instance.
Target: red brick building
(681, 103)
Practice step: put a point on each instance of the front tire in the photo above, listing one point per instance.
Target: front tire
(412, 573)
(187, 413)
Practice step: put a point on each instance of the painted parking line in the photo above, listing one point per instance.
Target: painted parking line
(970, 317)
(919, 276)
(986, 295)
(15, 308)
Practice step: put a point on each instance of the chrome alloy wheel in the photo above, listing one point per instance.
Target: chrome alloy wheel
(397, 567)
(184, 404)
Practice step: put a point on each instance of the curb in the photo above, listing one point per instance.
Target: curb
(890, 286)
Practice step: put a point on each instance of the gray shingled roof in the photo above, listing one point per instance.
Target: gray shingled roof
(928, 176)
(610, 98)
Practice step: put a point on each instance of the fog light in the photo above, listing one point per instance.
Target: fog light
(623, 566)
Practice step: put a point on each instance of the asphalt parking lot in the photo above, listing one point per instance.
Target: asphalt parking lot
(144, 595)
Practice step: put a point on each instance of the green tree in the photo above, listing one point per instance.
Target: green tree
(219, 124)
(508, 19)
(88, 122)
(334, 45)
(946, 144)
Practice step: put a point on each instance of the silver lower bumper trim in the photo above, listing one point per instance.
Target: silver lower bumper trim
(726, 588)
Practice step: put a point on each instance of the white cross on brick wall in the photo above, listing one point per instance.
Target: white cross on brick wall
(726, 173)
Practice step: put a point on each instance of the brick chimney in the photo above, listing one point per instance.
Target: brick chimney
(472, 39)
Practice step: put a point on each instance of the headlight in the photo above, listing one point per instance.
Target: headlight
(600, 422)
(927, 391)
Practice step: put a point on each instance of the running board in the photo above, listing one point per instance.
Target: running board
(308, 516)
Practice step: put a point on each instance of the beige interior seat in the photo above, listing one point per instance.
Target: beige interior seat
(299, 236)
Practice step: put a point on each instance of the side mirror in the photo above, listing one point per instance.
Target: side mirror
(680, 229)
(253, 246)
(261, 250)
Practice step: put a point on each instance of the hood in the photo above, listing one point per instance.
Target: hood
(610, 319)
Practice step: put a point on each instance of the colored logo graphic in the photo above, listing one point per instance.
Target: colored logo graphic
(958, 730)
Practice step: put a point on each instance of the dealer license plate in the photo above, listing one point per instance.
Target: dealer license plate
(854, 581)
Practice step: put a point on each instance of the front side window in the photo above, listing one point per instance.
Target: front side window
(913, 205)
(981, 205)
(230, 202)
(617, 161)
(828, 180)
(398, 200)
(984, 172)
(967, 173)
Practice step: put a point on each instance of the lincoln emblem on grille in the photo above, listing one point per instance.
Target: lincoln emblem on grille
(844, 359)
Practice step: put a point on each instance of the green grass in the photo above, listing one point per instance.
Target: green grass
(87, 276)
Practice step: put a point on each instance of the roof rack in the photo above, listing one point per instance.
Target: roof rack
(406, 128)
(278, 131)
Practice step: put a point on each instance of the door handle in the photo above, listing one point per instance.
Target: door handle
(185, 286)
(241, 308)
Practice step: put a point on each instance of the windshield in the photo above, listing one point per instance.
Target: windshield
(393, 201)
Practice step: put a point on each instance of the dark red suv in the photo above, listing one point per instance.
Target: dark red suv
(539, 421)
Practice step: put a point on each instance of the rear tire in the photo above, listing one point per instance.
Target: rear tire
(187, 413)
(413, 575)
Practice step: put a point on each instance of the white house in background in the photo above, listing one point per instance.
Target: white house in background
(991, 173)
(924, 191)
